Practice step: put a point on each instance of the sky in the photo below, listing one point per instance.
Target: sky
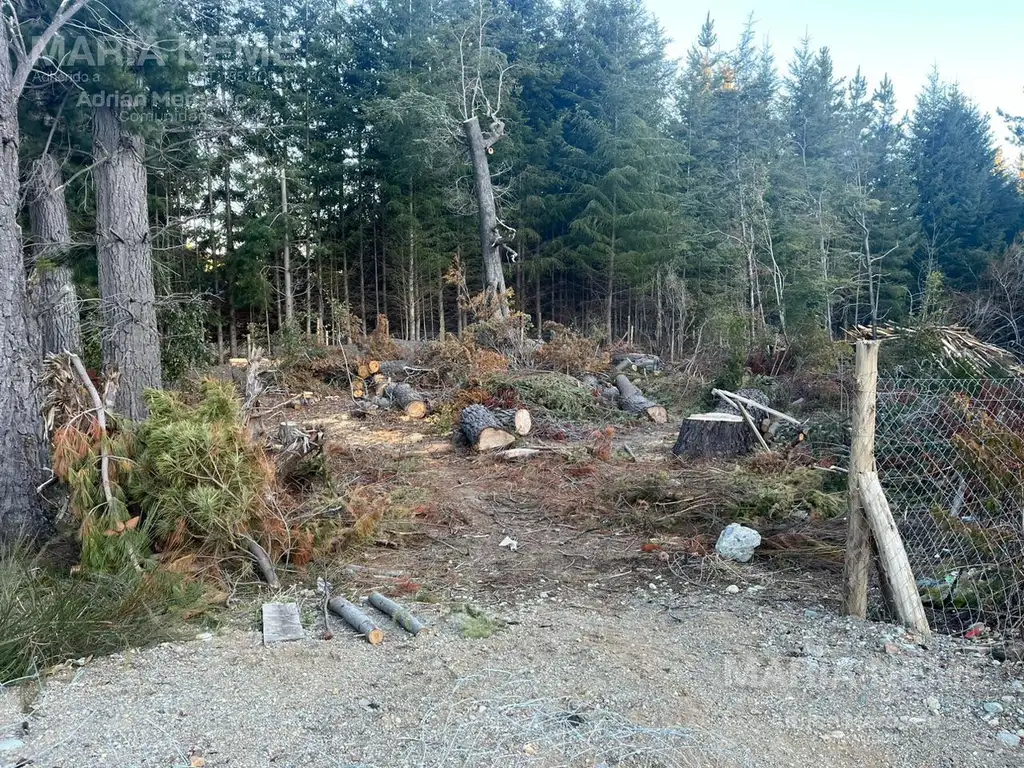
(978, 43)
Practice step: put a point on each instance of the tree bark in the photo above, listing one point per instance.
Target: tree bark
(494, 276)
(54, 298)
(286, 264)
(22, 442)
(124, 249)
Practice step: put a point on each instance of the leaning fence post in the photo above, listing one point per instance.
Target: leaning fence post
(862, 459)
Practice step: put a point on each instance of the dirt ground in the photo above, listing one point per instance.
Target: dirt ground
(595, 652)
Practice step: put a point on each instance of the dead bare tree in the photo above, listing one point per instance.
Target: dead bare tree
(495, 235)
(21, 437)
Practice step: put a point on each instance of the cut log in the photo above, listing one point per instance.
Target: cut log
(408, 399)
(363, 371)
(631, 399)
(893, 556)
(358, 389)
(356, 619)
(401, 616)
(481, 429)
(713, 435)
(516, 420)
(373, 366)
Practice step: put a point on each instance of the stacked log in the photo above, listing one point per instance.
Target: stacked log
(632, 400)
(481, 430)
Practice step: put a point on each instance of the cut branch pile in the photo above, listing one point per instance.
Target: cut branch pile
(637, 362)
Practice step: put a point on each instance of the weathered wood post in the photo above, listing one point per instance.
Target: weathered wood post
(862, 459)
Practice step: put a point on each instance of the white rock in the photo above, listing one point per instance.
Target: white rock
(732, 589)
(737, 542)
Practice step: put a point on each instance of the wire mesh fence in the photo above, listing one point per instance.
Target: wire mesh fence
(950, 455)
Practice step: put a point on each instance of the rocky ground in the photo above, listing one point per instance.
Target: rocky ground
(590, 653)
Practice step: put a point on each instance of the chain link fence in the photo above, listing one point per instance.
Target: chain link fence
(950, 456)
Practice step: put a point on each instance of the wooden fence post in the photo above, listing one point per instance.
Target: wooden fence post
(862, 459)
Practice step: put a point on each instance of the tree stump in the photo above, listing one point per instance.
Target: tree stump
(631, 399)
(481, 429)
(713, 435)
(722, 433)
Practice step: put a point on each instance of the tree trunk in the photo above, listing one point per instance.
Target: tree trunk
(21, 428)
(286, 264)
(54, 299)
(131, 341)
(494, 276)
(229, 257)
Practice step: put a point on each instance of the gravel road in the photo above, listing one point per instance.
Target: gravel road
(662, 676)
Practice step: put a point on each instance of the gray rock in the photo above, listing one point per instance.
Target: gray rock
(737, 542)
(993, 707)
(933, 705)
(1008, 739)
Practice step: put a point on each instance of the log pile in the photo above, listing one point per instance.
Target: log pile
(637, 362)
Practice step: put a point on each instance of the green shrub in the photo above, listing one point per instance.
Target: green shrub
(47, 618)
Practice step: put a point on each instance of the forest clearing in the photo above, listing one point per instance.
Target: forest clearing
(479, 382)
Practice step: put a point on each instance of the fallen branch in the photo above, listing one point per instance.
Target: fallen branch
(401, 616)
(356, 619)
(728, 396)
(101, 422)
(516, 454)
(263, 564)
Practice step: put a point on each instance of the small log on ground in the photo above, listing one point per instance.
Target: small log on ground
(362, 370)
(713, 435)
(516, 420)
(373, 366)
(356, 619)
(408, 399)
(401, 616)
(481, 429)
(631, 399)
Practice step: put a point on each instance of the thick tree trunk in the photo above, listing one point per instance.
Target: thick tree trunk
(494, 276)
(21, 426)
(131, 341)
(54, 298)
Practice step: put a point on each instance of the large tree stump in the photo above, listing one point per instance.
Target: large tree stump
(481, 429)
(631, 399)
(713, 435)
(408, 399)
(723, 433)
(516, 420)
